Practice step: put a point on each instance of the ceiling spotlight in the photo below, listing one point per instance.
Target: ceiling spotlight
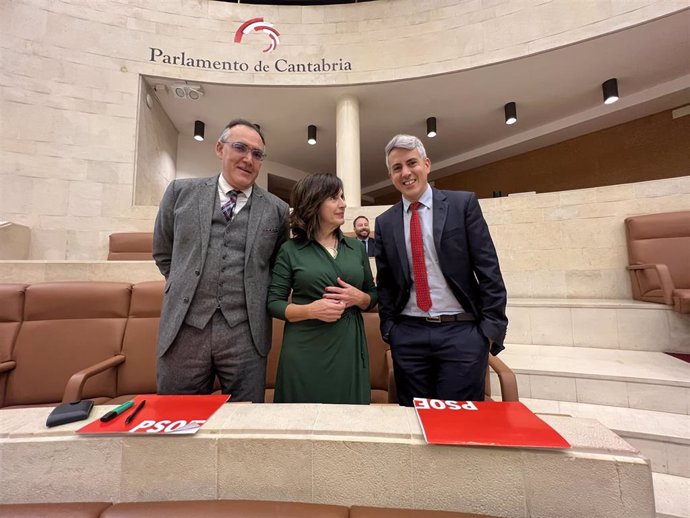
(186, 91)
(511, 113)
(610, 89)
(431, 127)
(199, 128)
(311, 134)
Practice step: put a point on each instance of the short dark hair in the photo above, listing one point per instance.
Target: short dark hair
(354, 222)
(240, 122)
(307, 196)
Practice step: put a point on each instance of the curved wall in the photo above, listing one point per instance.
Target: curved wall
(71, 70)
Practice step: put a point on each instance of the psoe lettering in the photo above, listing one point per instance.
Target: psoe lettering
(438, 404)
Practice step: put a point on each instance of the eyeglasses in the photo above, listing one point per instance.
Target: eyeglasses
(242, 148)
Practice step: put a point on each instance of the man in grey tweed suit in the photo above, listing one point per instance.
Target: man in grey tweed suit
(214, 241)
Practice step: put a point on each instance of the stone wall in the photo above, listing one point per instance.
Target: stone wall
(71, 75)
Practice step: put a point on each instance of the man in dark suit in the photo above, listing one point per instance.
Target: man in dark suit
(214, 241)
(441, 295)
(361, 226)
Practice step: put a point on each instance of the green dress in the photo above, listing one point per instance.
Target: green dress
(321, 362)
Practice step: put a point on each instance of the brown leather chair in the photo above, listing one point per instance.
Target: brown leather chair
(11, 316)
(130, 246)
(659, 258)
(273, 358)
(135, 363)
(67, 327)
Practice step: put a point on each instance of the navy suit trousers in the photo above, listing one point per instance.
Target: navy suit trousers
(446, 360)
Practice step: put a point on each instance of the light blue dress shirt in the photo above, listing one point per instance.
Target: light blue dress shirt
(443, 302)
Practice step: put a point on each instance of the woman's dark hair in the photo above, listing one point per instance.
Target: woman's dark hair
(307, 196)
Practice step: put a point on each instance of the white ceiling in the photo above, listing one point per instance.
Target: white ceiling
(558, 96)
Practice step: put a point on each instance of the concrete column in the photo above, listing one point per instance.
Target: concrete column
(347, 149)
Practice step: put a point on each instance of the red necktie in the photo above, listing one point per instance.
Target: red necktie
(418, 265)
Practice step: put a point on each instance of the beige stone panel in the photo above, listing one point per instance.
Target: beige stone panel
(281, 418)
(590, 283)
(661, 204)
(643, 330)
(49, 196)
(655, 451)
(561, 213)
(558, 259)
(20, 19)
(595, 327)
(611, 487)
(577, 196)
(524, 385)
(518, 284)
(551, 326)
(678, 459)
(489, 482)
(85, 198)
(337, 474)
(667, 187)
(519, 326)
(527, 216)
(13, 193)
(353, 420)
(48, 244)
(155, 469)
(109, 172)
(679, 332)
(117, 200)
(591, 233)
(658, 398)
(516, 260)
(532, 236)
(548, 284)
(602, 392)
(604, 258)
(588, 434)
(551, 387)
(81, 245)
(265, 469)
(608, 193)
(62, 470)
(542, 20)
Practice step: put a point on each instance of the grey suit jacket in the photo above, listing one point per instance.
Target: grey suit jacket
(180, 241)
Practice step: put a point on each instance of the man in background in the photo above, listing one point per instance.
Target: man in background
(361, 225)
(214, 241)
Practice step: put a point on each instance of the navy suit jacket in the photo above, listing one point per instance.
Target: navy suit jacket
(467, 257)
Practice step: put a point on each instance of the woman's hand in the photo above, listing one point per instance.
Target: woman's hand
(347, 294)
(326, 310)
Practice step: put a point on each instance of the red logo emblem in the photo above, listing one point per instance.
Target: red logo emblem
(259, 25)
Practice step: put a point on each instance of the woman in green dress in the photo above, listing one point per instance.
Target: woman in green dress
(321, 283)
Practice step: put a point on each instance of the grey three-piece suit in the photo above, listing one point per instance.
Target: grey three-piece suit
(214, 270)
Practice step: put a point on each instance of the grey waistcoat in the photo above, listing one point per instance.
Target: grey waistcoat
(221, 285)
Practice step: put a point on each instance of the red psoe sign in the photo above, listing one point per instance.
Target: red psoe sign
(484, 423)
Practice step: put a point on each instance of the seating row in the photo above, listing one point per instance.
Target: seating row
(215, 509)
(63, 341)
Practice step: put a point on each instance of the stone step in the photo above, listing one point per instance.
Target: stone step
(672, 496)
(600, 323)
(662, 437)
(632, 379)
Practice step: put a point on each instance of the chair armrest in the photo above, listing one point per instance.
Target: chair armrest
(75, 385)
(392, 391)
(7, 366)
(665, 280)
(506, 378)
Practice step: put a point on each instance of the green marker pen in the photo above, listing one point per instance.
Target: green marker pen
(116, 412)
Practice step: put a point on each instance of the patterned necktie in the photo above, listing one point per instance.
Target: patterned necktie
(228, 207)
(418, 265)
